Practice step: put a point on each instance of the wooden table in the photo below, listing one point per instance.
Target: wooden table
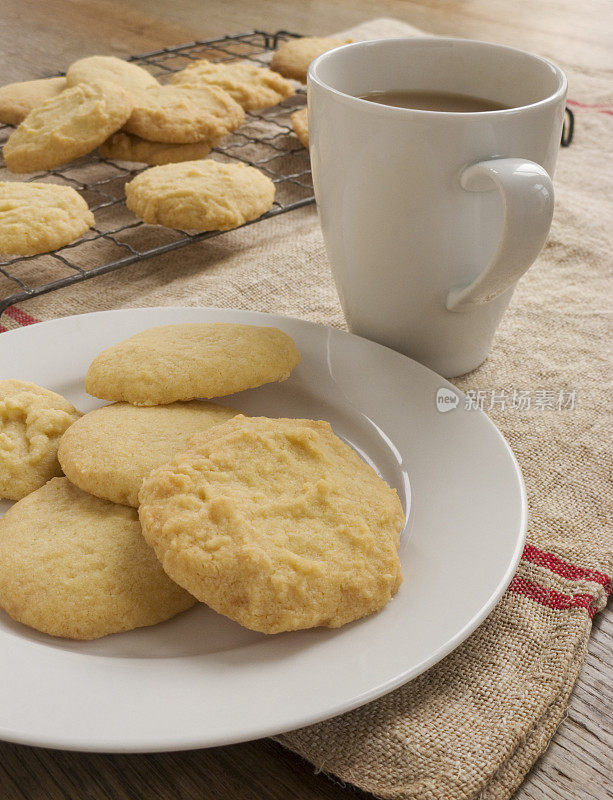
(38, 38)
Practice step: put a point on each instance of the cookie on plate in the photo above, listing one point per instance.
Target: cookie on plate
(250, 85)
(108, 68)
(18, 99)
(275, 523)
(38, 217)
(67, 126)
(300, 124)
(109, 451)
(184, 362)
(293, 57)
(122, 146)
(200, 195)
(184, 114)
(32, 420)
(75, 566)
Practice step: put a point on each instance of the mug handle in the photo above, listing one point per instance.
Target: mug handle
(527, 195)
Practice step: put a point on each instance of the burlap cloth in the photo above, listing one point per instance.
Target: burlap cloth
(472, 726)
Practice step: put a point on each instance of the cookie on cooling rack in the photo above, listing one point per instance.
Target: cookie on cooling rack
(200, 195)
(300, 124)
(184, 114)
(67, 126)
(122, 146)
(250, 85)
(293, 57)
(108, 68)
(275, 523)
(18, 99)
(38, 217)
(32, 420)
(75, 566)
(109, 451)
(183, 362)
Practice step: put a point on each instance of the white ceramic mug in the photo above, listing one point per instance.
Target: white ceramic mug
(430, 218)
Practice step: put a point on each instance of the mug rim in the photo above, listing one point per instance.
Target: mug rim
(559, 92)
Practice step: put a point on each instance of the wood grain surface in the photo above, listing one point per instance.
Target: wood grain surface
(40, 38)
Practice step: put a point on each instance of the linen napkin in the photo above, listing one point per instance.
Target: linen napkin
(473, 725)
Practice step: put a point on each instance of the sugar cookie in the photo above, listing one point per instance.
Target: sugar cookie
(38, 217)
(18, 99)
(300, 124)
(293, 57)
(108, 68)
(75, 566)
(249, 84)
(184, 362)
(109, 451)
(200, 195)
(276, 523)
(122, 146)
(67, 126)
(184, 114)
(32, 420)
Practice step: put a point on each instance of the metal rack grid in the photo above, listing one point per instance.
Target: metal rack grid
(118, 238)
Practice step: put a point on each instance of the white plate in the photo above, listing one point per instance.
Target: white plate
(200, 680)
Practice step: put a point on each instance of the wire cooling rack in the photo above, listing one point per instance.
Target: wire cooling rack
(118, 238)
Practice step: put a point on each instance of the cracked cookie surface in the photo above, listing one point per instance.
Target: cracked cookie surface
(275, 523)
(32, 420)
(251, 86)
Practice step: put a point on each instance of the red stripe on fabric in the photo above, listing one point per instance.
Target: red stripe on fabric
(20, 316)
(550, 597)
(3, 329)
(535, 556)
(588, 107)
(596, 106)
